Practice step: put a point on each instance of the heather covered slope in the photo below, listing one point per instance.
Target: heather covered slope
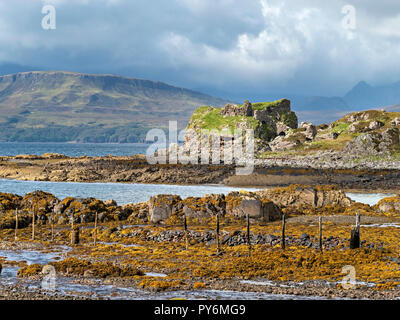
(66, 106)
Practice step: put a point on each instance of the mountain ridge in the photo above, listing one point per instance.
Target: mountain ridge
(35, 105)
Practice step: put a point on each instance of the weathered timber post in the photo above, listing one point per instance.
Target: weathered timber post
(16, 225)
(218, 245)
(72, 228)
(283, 245)
(186, 232)
(320, 233)
(95, 228)
(248, 234)
(52, 226)
(33, 222)
(355, 234)
(75, 235)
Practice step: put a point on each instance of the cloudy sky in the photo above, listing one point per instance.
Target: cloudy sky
(232, 48)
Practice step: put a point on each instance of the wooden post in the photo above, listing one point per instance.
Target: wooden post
(218, 247)
(72, 228)
(355, 234)
(283, 231)
(248, 233)
(95, 229)
(186, 232)
(75, 235)
(52, 227)
(16, 225)
(33, 223)
(320, 233)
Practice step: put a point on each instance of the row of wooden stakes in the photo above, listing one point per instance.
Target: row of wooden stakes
(74, 229)
(354, 237)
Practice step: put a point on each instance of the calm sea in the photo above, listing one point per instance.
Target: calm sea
(72, 149)
(122, 193)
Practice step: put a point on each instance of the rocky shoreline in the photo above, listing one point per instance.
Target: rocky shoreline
(310, 170)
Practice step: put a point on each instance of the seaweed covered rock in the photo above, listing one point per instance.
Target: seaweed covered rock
(84, 210)
(162, 206)
(306, 196)
(239, 204)
(207, 206)
(30, 270)
(9, 201)
(40, 202)
(136, 211)
(388, 205)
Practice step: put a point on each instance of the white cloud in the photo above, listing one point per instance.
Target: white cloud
(294, 36)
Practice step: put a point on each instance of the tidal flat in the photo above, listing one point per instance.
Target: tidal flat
(154, 261)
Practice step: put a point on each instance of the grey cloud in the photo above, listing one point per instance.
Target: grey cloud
(228, 46)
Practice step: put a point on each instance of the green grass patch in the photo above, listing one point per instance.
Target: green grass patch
(208, 118)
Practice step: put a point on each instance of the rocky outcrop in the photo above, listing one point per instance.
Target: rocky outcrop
(282, 143)
(230, 110)
(290, 139)
(47, 208)
(388, 205)
(240, 204)
(266, 119)
(373, 143)
(310, 131)
(162, 206)
(306, 196)
(207, 206)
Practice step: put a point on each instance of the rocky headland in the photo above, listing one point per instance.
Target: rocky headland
(359, 151)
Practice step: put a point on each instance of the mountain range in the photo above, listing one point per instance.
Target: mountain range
(362, 96)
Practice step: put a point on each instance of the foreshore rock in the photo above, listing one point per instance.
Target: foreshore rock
(324, 167)
(303, 196)
(240, 204)
(264, 205)
(161, 207)
(388, 205)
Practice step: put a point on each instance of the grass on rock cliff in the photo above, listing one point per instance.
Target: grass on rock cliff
(208, 118)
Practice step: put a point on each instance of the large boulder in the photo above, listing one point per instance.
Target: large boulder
(395, 122)
(84, 210)
(306, 196)
(282, 143)
(40, 202)
(207, 206)
(239, 204)
(162, 206)
(9, 201)
(388, 205)
(310, 130)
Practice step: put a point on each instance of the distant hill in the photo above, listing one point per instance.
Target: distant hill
(364, 95)
(395, 108)
(361, 97)
(66, 106)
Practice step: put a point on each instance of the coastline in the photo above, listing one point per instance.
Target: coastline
(136, 169)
